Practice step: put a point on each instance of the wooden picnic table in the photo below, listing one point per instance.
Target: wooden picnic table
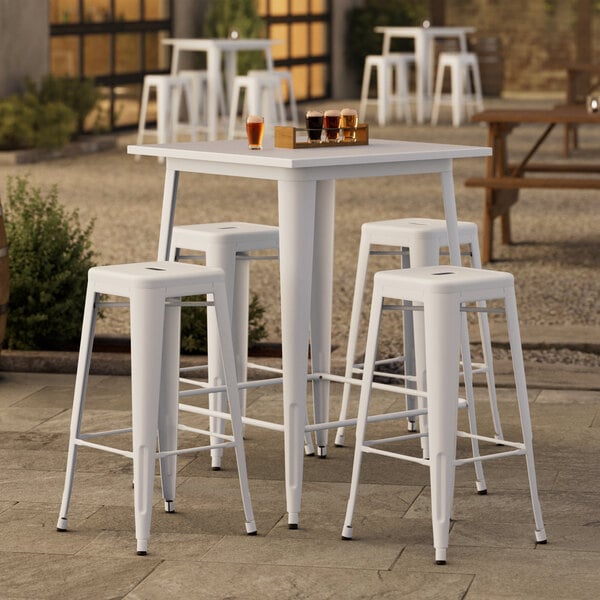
(504, 179)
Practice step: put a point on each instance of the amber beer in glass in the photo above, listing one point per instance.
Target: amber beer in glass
(255, 128)
(331, 123)
(349, 123)
(314, 126)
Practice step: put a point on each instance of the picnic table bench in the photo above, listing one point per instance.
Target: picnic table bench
(504, 179)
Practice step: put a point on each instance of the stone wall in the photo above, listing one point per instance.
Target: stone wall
(537, 38)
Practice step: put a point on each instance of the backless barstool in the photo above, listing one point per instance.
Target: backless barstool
(230, 246)
(443, 292)
(392, 71)
(419, 242)
(465, 82)
(262, 97)
(154, 290)
(169, 89)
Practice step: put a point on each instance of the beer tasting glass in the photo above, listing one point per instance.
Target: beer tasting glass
(255, 128)
(314, 126)
(349, 123)
(331, 122)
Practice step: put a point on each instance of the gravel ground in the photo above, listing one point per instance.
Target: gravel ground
(555, 257)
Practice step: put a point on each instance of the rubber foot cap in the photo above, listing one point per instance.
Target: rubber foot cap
(292, 525)
(440, 562)
(543, 542)
(141, 553)
(61, 530)
(346, 539)
(216, 468)
(482, 492)
(253, 533)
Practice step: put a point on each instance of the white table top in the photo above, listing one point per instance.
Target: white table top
(222, 43)
(377, 152)
(399, 31)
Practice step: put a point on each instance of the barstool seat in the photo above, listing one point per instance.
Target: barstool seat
(418, 242)
(154, 290)
(393, 77)
(443, 292)
(465, 82)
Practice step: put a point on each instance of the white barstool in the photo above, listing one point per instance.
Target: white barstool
(419, 242)
(465, 86)
(443, 292)
(228, 246)
(199, 79)
(389, 69)
(154, 290)
(285, 77)
(262, 96)
(169, 89)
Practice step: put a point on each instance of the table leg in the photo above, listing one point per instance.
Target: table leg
(421, 60)
(449, 201)
(297, 201)
(321, 304)
(213, 60)
(168, 213)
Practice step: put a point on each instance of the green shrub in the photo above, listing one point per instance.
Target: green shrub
(27, 123)
(361, 38)
(224, 16)
(193, 327)
(16, 124)
(80, 95)
(50, 255)
(48, 115)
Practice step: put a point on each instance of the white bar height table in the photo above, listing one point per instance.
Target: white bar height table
(306, 202)
(215, 48)
(424, 58)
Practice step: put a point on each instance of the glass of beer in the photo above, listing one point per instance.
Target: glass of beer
(255, 128)
(331, 123)
(349, 123)
(314, 126)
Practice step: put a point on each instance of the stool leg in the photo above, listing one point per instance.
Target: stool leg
(514, 337)
(81, 381)
(458, 82)
(442, 335)
(359, 289)
(239, 323)
(168, 407)
(224, 331)
(486, 346)
(222, 256)
(147, 323)
(422, 255)
(408, 336)
(235, 98)
(142, 119)
(363, 408)
(437, 94)
(364, 93)
(468, 381)
(383, 90)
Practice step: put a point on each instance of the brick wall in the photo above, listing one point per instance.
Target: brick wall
(537, 38)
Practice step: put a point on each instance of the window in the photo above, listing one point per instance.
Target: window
(303, 28)
(116, 42)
